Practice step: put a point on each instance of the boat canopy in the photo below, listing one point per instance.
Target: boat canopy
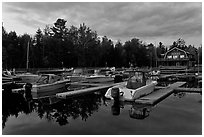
(48, 79)
(136, 81)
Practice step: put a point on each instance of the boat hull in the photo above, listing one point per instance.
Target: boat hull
(132, 94)
(45, 89)
(28, 78)
(99, 79)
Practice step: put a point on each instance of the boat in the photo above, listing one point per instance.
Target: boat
(28, 77)
(21, 77)
(136, 87)
(48, 83)
(6, 78)
(24, 77)
(76, 76)
(99, 79)
(100, 76)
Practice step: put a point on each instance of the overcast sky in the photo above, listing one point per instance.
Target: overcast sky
(150, 22)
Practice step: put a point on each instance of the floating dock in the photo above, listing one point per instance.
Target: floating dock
(190, 90)
(87, 90)
(159, 95)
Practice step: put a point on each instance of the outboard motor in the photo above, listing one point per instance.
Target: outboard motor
(115, 93)
(28, 87)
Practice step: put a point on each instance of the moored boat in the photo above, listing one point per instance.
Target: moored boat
(99, 79)
(28, 77)
(48, 83)
(134, 88)
(20, 77)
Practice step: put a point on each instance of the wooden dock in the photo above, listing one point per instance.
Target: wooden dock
(190, 90)
(159, 95)
(87, 90)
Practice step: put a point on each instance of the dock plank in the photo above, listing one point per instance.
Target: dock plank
(159, 95)
(87, 84)
(191, 90)
(87, 90)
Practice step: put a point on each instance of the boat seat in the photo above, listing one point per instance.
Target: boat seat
(134, 83)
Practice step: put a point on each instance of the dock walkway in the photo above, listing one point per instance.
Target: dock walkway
(159, 95)
(87, 90)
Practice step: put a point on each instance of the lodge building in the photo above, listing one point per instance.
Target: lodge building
(176, 57)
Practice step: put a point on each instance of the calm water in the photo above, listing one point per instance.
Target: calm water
(92, 114)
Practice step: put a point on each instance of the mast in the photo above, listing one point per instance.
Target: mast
(27, 59)
(198, 60)
(155, 53)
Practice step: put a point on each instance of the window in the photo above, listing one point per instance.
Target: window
(181, 56)
(169, 57)
(175, 57)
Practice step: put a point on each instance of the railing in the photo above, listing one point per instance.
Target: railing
(177, 59)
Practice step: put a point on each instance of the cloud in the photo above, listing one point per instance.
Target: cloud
(117, 20)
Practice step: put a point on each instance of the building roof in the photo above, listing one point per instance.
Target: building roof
(174, 49)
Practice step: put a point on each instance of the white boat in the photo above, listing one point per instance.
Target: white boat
(6, 78)
(76, 78)
(21, 77)
(134, 88)
(99, 78)
(28, 77)
(49, 82)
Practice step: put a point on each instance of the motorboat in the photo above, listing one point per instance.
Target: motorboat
(99, 79)
(76, 76)
(28, 77)
(32, 78)
(6, 78)
(136, 87)
(100, 76)
(48, 83)
(20, 77)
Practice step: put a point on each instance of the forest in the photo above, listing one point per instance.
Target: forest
(61, 46)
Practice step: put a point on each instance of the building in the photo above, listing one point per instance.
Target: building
(176, 57)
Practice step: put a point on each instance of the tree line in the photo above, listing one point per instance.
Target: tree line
(61, 46)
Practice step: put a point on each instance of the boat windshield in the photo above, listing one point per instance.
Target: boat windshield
(43, 79)
(136, 81)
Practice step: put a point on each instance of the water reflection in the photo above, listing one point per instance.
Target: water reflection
(51, 108)
(180, 94)
(80, 107)
(63, 111)
(13, 104)
(137, 111)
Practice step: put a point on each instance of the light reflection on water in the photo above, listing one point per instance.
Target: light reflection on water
(93, 114)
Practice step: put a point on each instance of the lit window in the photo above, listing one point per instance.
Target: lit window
(175, 57)
(169, 57)
(181, 56)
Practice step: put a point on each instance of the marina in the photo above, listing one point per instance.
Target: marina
(75, 111)
(86, 99)
(101, 68)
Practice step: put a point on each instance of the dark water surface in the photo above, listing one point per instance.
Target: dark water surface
(92, 114)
